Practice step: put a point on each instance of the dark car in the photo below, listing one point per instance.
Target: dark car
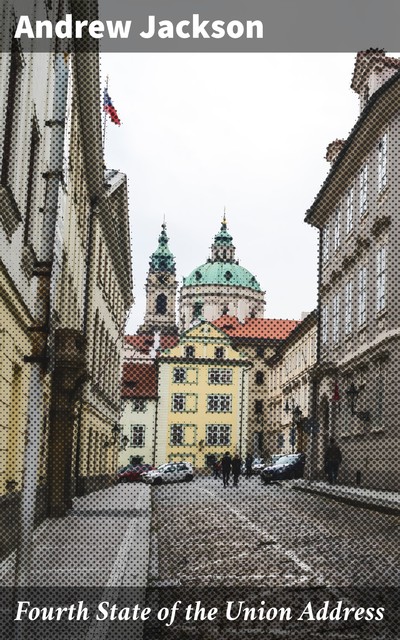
(133, 473)
(285, 468)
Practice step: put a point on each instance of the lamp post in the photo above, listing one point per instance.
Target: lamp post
(352, 393)
(297, 417)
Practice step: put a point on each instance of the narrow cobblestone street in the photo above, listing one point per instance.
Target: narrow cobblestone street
(275, 545)
(259, 535)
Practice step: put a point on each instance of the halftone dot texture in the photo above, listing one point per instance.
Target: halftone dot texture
(225, 379)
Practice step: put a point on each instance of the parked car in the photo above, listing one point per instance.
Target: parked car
(170, 472)
(133, 473)
(285, 468)
(258, 465)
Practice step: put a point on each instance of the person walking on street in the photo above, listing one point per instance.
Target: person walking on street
(333, 459)
(248, 464)
(217, 469)
(236, 468)
(226, 465)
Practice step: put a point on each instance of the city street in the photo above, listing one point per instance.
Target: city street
(271, 547)
(269, 535)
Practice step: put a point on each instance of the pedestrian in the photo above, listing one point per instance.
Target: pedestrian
(217, 469)
(226, 465)
(236, 468)
(333, 459)
(248, 464)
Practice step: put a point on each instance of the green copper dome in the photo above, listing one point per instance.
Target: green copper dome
(222, 273)
(162, 259)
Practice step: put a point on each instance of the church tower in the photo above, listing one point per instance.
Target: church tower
(161, 286)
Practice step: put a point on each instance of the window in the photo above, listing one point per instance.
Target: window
(380, 278)
(348, 307)
(137, 435)
(219, 352)
(219, 403)
(363, 190)
(362, 295)
(325, 244)
(161, 304)
(324, 328)
(184, 402)
(337, 229)
(11, 114)
(189, 352)
(31, 182)
(197, 310)
(218, 434)
(336, 317)
(180, 374)
(349, 211)
(259, 406)
(138, 404)
(260, 351)
(176, 435)
(259, 378)
(220, 376)
(382, 163)
(178, 402)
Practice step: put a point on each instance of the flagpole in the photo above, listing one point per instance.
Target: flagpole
(105, 119)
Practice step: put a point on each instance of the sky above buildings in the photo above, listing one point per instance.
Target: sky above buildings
(248, 132)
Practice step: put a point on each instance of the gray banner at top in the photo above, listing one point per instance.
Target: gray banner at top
(213, 25)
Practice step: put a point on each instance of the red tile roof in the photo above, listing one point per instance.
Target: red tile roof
(144, 343)
(265, 328)
(139, 380)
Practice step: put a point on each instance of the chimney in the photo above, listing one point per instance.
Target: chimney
(333, 149)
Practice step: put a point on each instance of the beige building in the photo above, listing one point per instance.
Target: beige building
(258, 339)
(202, 409)
(65, 280)
(290, 389)
(359, 319)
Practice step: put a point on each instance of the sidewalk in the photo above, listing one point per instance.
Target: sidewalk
(103, 542)
(385, 501)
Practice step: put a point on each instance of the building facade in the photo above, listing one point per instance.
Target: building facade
(290, 389)
(202, 411)
(357, 373)
(139, 412)
(258, 339)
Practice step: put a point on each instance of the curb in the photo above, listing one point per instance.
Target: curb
(354, 502)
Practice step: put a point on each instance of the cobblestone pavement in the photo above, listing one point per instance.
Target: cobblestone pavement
(271, 547)
(204, 534)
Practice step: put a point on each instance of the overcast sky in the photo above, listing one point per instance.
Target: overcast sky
(245, 131)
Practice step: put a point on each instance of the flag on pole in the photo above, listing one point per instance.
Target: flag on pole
(109, 108)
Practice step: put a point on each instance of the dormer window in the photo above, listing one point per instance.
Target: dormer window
(219, 352)
(228, 275)
(198, 275)
(189, 352)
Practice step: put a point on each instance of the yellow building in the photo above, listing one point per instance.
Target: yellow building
(202, 388)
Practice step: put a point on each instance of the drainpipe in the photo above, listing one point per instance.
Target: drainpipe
(314, 397)
(79, 486)
(242, 409)
(39, 359)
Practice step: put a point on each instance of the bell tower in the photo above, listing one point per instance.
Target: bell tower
(161, 287)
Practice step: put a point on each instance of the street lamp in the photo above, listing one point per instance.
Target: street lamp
(297, 416)
(352, 393)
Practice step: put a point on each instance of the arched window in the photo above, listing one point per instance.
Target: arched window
(259, 377)
(161, 304)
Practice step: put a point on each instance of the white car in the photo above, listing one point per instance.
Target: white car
(169, 472)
